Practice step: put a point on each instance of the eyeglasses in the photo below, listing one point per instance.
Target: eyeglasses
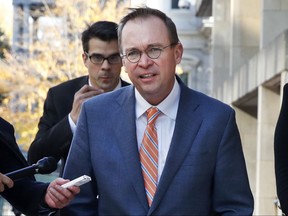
(134, 55)
(99, 59)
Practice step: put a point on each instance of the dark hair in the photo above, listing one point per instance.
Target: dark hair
(144, 12)
(103, 30)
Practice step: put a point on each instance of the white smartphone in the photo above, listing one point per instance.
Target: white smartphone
(78, 181)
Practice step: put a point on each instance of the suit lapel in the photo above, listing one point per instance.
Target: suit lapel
(126, 134)
(182, 140)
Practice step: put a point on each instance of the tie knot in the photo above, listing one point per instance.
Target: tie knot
(152, 114)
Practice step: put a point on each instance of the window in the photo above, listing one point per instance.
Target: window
(181, 4)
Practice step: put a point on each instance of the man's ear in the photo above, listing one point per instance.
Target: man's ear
(124, 65)
(84, 58)
(178, 52)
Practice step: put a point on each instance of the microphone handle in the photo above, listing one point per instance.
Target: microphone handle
(24, 172)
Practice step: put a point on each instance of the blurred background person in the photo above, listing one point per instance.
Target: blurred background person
(63, 103)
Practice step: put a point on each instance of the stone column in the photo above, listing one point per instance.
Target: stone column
(265, 194)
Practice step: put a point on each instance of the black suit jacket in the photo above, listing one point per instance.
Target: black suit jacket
(281, 153)
(54, 135)
(26, 193)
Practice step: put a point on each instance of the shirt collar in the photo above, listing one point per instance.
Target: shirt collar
(168, 106)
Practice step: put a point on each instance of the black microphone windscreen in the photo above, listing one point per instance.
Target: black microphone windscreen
(46, 165)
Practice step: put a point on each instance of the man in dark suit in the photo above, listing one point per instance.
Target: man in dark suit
(281, 152)
(27, 195)
(63, 103)
(190, 161)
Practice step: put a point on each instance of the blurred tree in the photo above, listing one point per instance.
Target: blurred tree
(4, 44)
(55, 56)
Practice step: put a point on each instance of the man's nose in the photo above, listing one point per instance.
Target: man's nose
(144, 60)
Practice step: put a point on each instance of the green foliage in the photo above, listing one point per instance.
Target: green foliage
(4, 44)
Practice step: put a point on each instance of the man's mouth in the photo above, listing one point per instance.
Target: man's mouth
(105, 77)
(147, 76)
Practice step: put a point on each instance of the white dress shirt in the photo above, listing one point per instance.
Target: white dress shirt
(165, 123)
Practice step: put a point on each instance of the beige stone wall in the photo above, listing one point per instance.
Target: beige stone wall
(235, 36)
(274, 20)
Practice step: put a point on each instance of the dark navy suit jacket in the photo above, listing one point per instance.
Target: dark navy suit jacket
(204, 173)
(26, 193)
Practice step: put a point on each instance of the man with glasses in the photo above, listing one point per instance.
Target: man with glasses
(157, 147)
(63, 103)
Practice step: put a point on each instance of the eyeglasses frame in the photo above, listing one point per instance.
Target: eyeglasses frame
(141, 52)
(104, 58)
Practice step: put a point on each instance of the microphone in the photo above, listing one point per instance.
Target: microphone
(45, 165)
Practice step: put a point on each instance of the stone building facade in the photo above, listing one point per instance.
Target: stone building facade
(249, 67)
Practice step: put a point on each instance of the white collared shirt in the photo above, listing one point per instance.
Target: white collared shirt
(165, 123)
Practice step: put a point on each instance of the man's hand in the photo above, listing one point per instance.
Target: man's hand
(80, 96)
(59, 197)
(5, 180)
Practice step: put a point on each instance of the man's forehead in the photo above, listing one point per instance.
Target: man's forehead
(140, 34)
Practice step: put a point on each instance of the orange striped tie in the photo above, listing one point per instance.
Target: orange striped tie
(149, 154)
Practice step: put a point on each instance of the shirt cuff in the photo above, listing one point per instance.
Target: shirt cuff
(72, 124)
